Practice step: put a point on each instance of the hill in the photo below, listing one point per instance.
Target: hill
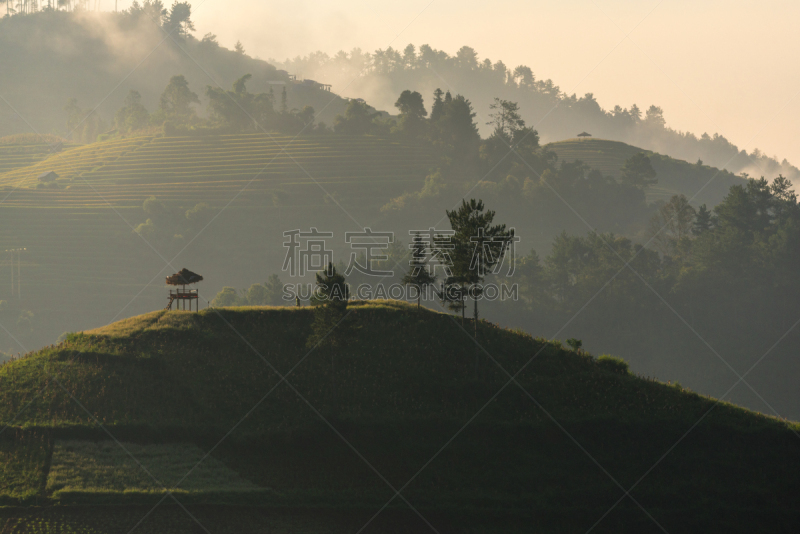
(674, 175)
(405, 406)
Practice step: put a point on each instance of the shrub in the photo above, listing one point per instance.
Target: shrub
(613, 364)
(227, 297)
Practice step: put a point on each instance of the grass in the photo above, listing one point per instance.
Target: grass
(23, 456)
(601, 154)
(105, 470)
(25, 150)
(171, 385)
(178, 369)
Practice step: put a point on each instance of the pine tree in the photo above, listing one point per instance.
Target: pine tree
(331, 299)
(330, 329)
(438, 105)
(478, 247)
(703, 221)
(418, 274)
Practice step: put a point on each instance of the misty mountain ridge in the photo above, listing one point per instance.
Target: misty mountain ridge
(98, 58)
(556, 115)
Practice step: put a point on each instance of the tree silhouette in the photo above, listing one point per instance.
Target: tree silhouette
(331, 298)
(418, 274)
(479, 246)
(179, 19)
(176, 101)
(638, 172)
(412, 113)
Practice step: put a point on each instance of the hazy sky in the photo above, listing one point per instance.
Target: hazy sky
(714, 66)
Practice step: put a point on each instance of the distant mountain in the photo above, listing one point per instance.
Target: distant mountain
(381, 75)
(51, 57)
(97, 58)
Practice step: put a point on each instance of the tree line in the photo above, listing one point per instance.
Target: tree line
(564, 115)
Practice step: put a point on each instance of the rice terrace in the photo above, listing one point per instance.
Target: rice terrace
(389, 284)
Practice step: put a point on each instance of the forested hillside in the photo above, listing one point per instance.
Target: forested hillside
(52, 57)
(98, 58)
(555, 114)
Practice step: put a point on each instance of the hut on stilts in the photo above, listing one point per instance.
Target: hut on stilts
(183, 278)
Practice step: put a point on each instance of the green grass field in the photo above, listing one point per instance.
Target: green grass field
(26, 151)
(342, 427)
(89, 471)
(23, 456)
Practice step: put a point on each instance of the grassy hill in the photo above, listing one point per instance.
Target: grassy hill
(342, 427)
(674, 176)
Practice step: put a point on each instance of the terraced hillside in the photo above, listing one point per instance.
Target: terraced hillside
(82, 251)
(604, 155)
(26, 154)
(228, 405)
(709, 184)
(344, 161)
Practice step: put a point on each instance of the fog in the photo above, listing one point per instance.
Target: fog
(699, 62)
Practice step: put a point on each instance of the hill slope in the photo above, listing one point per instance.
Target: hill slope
(84, 256)
(343, 428)
(187, 161)
(674, 176)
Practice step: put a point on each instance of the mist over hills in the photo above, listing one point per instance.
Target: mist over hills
(381, 74)
(124, 211)
(97, 58)
(315, 406)
(50, 57)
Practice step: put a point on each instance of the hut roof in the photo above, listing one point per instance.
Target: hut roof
(584, 134)
(48, 176)
(184, 277)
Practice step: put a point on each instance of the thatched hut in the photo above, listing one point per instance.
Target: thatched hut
(584, 134)
(183, 278)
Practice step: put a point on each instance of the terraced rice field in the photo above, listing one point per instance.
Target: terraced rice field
(606, 156)
(81, 245)
(674, 176)
(19, 156)
(274, 159)
(71, 163)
